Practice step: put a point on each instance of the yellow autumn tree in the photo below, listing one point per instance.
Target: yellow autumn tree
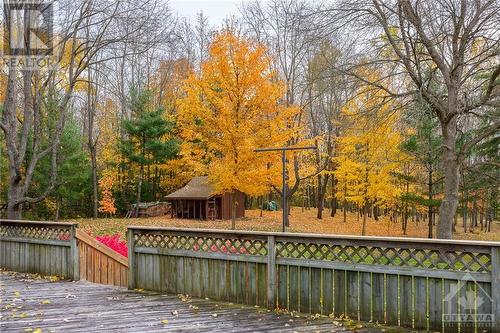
(107, 202)
(3, 87)
(108, 158)
(369, 153)
(231, 108)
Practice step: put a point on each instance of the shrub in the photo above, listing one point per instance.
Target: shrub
(114, 243)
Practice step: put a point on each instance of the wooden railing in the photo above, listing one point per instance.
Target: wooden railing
(438, 285)
(100, 264)
(47, 248)
(50, 248)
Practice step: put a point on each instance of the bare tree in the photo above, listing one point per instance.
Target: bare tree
(286, 27)
(445, 50)
(84, 29)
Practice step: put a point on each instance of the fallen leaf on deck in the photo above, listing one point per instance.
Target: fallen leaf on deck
(164, 321)
(175, 313)
(46, 301)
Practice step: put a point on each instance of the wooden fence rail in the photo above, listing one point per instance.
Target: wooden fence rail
(425, 284)
(47, 248)
(100, 264)
(437, 285)
(51, 248)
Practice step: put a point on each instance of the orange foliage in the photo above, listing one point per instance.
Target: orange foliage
(107, 202)
(231, 108)
(3, 87)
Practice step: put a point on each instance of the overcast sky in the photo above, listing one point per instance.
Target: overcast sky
(215, 10)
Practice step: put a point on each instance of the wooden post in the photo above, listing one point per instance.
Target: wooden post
(495, 287)
(131, 259)
(271, 272)
(75, 255)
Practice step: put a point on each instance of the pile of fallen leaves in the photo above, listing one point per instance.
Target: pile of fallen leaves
(300, 221)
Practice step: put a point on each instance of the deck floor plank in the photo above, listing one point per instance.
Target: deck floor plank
(87, 307)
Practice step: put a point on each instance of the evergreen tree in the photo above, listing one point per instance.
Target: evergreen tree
(424, 145)
(70, 195)
(148, 138)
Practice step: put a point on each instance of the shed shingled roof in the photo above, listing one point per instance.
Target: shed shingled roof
(198, 188)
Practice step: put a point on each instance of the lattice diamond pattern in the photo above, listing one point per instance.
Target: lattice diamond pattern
(414, 257)
(38, 232)
(205, 244)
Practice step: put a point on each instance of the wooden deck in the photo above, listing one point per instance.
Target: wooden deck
(28, 303)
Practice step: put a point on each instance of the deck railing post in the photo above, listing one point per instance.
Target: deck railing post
(75, 254)
(131, 259)
(495, 287)
(271, 271)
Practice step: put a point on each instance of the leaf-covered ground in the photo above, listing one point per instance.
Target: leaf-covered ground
(300, 221)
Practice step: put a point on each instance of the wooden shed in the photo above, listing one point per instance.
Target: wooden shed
(197, 201)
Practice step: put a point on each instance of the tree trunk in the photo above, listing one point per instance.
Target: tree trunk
(261, 205)
(365, 212)
(430, 189)
(139, 191)
(14, 210)
(233, 210)
(449, 203)
(95, 184)
(345, 203)
(464, 204)
(322, 182)
(344, 210)
(334, 197)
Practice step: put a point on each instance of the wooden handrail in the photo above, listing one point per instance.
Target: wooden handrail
(422, 241)
(86, 238)
(49, 223)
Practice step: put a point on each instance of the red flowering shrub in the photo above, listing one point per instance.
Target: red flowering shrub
(114, 243)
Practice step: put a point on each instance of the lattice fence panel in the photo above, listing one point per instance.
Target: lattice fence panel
(454, 260)
(36, 232)
(235, 246)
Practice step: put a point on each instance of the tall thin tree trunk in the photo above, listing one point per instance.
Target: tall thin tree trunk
(322, 183)
(139, 191)
(365, 212)
(430, 189)
(334, 197)
(95, 184)
(449, 203)
(233, 210)
(345, 203)
(141, 177)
